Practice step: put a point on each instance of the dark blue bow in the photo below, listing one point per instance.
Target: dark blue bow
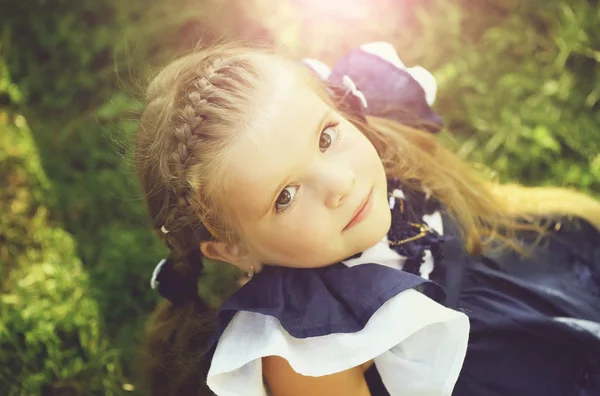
(390, 91)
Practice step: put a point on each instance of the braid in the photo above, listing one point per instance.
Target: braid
(194, 104)
(194, 107)
(190, 117)
(187, 121)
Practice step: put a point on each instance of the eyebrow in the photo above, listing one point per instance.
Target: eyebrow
(277, 191)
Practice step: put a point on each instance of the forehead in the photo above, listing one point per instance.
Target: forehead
(280, 137)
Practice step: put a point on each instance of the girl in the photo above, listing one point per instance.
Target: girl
(379, 263)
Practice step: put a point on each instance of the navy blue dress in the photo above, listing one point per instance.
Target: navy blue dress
(535, 322)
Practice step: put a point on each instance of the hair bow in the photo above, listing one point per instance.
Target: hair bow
(381, 85)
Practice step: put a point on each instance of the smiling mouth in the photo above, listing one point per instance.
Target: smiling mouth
(362, 211)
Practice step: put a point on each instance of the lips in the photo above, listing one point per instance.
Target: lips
(361, 211)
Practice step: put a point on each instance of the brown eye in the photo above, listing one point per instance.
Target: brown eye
(286, 198)
(327, 138)
(324, 141)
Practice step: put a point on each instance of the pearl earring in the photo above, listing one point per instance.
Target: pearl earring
(250, 273)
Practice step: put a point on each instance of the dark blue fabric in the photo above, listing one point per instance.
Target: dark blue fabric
(390, 92)
(449, 271)
(374, 382)
(320, 301)
(404, 218)
(516, 347)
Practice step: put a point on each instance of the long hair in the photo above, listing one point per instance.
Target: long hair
(488, 213)
(196, 106)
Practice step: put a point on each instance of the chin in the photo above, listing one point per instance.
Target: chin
(377, 229)
(383, 215)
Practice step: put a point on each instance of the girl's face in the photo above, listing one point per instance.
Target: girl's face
(299, 178)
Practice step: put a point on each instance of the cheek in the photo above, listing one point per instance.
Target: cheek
(357, 138)
(364, 151)
(301, 234)
(307, 226)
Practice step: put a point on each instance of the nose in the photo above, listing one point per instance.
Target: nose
(337, 183)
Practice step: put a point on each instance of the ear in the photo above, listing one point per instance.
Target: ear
(229, 253)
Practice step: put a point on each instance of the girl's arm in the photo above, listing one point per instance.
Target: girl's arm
(284, 381)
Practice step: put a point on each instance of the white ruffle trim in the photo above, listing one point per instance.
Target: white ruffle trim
(417, 345)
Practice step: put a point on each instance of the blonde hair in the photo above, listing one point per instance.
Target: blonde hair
(195, 107)
(488, 213)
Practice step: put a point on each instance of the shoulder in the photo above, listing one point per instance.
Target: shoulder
(284, 381)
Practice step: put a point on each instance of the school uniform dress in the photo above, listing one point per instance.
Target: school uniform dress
(434, 320)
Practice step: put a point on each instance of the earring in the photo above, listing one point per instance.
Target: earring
(250, 273)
